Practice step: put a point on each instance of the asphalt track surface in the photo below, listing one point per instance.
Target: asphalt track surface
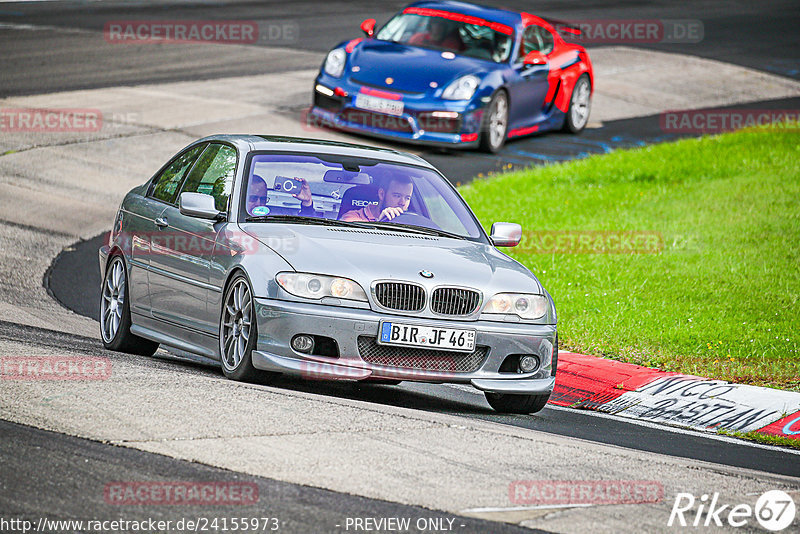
(761, 36)
(35, 487)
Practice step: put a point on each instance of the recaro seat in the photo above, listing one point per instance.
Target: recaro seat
(358, 197)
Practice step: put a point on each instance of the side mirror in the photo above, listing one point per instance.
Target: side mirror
(199, 205)
(505, 234)
(368, 27)
(534, 58)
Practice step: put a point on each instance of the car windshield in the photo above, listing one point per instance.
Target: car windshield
(460, 34)
(346, 190)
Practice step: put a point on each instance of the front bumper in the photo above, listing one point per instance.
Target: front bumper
(279, 321)
(415, 125)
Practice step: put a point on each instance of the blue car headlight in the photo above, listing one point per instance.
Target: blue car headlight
(461, 89)
(334, 63)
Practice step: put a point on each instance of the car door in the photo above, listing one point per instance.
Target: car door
(179, 281)
(530, 84)
(141, 223)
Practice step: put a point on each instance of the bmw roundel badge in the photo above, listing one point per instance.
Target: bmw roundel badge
(426, 274)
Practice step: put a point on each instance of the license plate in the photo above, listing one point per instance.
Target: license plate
(381, 105)
(414, 335)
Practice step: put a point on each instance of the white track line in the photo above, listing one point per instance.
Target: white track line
(524, 508)
(37, 27)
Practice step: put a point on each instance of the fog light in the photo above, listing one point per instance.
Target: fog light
(324, 90)
(303, 343)
(528, 364)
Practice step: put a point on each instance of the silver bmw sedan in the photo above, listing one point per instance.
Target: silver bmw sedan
(328, 261)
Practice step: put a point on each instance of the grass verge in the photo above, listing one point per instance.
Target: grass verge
(712, 287)
(766, 439)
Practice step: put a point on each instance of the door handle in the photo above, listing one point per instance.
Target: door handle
(161, 222)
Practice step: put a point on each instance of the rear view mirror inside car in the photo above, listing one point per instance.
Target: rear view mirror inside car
(339, 176)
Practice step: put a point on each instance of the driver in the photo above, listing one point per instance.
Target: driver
(440, 34)
(393, 200)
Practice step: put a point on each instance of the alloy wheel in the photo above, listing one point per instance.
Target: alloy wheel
(498, 121)
(236, 324)
(580, 104)
(113, 300)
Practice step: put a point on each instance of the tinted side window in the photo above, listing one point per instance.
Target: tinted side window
(165, 187)
(537, 38)
(213, 174)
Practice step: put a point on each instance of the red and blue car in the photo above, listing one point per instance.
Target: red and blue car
(455, 74)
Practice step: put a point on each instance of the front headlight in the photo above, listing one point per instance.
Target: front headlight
(334, 63)
(462, 88)
(526, 306)
(317, 286)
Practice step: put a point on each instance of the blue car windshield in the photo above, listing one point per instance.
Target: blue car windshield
(459, 35)
(354, 190)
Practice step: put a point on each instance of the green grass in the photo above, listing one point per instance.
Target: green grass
(719, 299)
(766, 439)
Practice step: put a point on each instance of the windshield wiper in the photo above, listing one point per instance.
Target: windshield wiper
(410, 228)
(380, 225)
(299, 219)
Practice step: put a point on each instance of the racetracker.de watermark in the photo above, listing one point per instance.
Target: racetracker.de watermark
(591, 242)
(379, 121)
(13, 120)
(620, 31)
(709, 121)
(200, 32)
(171, 242)
(568, 492)
(135, 493)
(54, 368)
(414, 368)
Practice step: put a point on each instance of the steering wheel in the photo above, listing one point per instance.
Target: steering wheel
(415, 219)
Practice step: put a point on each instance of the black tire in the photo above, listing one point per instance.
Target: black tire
(578, 111)
(237, 362)
(489, 142)
(507, 403)
(115, 313)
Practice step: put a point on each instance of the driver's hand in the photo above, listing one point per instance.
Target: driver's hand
(304, 196)
(390, 213)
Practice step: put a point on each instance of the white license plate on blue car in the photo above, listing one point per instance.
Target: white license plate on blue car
(429, 337)
(381, 105)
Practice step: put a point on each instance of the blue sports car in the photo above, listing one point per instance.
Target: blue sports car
(455, 74)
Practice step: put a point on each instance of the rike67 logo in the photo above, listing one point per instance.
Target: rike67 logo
(774, 510)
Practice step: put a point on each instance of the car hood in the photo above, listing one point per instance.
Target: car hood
(412, 68)
(367, 255)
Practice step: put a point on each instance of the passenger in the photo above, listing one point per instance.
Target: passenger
(393, 200)
(257, 195)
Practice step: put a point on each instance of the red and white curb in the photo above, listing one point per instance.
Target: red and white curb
(642, 393)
